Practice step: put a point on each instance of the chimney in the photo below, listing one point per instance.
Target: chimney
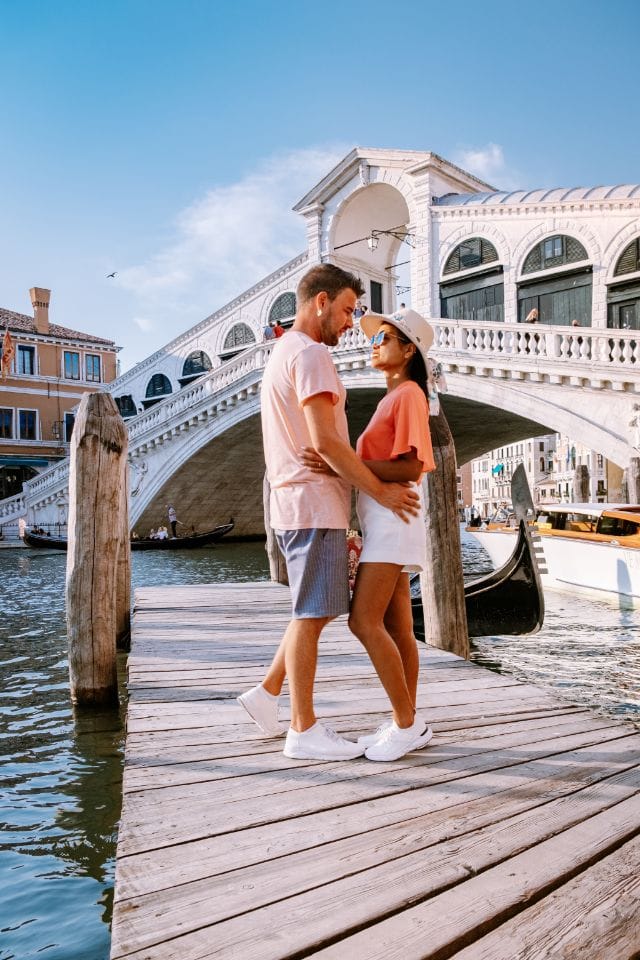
(40, 302)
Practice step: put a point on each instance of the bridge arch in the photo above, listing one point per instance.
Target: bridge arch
(485, 232)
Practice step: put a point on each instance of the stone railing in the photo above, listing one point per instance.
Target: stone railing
(12, 508)
(585, 353)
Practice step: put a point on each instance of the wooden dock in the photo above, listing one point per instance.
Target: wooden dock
(515, 834)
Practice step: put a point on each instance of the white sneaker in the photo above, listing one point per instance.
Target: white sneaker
(262, 707)
(369, 739)
(320, 743)
(395, 741)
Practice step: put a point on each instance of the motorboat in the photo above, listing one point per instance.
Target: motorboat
(591, 548)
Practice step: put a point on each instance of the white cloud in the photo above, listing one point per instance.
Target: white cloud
(225, 241)
(489, 164)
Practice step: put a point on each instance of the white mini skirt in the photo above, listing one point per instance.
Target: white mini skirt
(388, 539)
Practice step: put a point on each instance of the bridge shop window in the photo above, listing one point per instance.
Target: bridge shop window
(623, 295)
(196, 364)
(478, 297)
(283, 309)
(158, 387)
(238, 339)
(563, 296)
(126, 406)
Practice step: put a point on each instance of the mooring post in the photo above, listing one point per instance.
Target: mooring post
(277, 566)
(442, 584)
(581, 484)
(97, 467)
(123, 571)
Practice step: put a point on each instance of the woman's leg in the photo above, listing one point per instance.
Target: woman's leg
(398, 621)
(375, 586)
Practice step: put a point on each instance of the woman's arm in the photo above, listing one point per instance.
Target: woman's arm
(406, 467)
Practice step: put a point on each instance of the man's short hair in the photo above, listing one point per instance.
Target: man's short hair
(327, 278)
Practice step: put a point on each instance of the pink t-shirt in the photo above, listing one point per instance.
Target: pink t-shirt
(400, 422)
(298, 369)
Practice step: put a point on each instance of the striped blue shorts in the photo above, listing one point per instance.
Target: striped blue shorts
(318, 571)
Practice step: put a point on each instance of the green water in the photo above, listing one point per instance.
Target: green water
(61, 774)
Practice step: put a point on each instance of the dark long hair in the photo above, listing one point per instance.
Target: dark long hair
(417, 369)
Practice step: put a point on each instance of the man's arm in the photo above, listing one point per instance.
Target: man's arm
(320, 418)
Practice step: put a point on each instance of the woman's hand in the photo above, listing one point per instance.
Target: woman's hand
(314, 462)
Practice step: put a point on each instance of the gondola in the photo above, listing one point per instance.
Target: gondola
(32, 539)
(508, 601)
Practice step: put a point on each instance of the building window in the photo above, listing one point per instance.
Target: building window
(27, 420)
(629, 259)
(126, 406)
(196, 364)
(26, 360)
(71, 365)
(283, 309)
(472, 253)
(239, 338)
(376, 296)
(6, 424)
(69, 420)
(92, 367)
(158, 386)
(554, 252)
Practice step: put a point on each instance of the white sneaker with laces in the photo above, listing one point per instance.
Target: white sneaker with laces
(396, 741)
(370, 738)
(262, 707)
(320, 742)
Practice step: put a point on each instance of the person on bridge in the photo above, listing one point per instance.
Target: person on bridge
(303, 406)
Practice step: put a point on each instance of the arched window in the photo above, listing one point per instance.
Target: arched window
(623, 295)
(554, 252)
(629, 259)
(471, 253)
(194, 366)
(560, 298)
(283, 309)
(479, 297)
(126, 406)
(239, 337)
(159, 386)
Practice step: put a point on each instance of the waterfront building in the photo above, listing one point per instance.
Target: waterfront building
(51, 368)
(550, 463)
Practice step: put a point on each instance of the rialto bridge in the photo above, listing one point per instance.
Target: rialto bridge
(202, 449)
(483, 263)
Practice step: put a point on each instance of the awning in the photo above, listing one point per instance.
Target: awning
(499, 468)
(25, 462)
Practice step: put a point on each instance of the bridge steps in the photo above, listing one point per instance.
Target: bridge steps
(484, 844)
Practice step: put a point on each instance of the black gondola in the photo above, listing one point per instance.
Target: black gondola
(171, 543)
(508, 601)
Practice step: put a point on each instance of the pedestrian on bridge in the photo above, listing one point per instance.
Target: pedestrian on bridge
(303, 406)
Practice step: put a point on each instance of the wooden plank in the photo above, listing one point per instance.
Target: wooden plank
(228, 849)
(596, 911)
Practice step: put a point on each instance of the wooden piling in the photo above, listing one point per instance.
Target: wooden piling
(445, 617)
(633, 480)
(95, 531)
(581, 484)
(277, 566)
(123, 570)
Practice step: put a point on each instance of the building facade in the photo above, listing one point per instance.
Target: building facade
(52, 367)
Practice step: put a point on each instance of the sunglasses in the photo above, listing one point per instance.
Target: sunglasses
(382, 337)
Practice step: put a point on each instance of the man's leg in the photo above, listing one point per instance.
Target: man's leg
(301, 657)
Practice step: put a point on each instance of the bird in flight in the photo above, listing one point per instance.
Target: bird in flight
(114, 274)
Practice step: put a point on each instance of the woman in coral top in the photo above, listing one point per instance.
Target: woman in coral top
(396, 445)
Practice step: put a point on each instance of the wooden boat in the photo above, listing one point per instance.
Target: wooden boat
(172, 543)
(589, 548)
(509, 601)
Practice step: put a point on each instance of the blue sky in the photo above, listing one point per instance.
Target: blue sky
(168, 141)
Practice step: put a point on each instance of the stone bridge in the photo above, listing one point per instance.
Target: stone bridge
(201, 448)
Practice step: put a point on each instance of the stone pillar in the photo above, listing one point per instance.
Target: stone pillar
(633, 480)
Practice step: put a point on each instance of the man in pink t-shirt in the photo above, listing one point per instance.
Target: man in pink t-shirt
(303, 406)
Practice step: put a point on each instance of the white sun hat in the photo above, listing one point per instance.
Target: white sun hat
(414, 327)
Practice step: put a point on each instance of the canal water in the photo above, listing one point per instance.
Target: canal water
(60, 784)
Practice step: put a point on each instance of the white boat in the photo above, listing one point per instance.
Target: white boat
(588, 547)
